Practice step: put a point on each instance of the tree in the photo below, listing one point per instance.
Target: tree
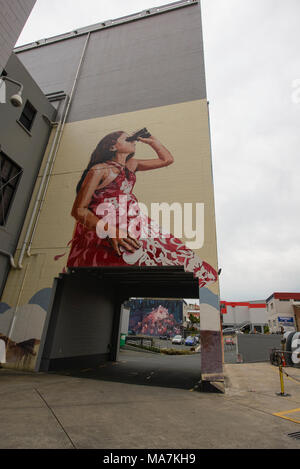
(194, 319)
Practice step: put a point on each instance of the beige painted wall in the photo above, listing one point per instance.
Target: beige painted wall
(182, 128)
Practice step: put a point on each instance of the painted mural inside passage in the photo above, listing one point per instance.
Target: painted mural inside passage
(155, 317)
(111, 228)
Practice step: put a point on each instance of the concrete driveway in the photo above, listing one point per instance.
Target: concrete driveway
(61, 411)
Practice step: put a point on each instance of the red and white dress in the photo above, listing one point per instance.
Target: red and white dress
(157, 249)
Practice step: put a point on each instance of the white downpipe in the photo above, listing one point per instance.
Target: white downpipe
(50, 163)
(44, 186)
(8, 254)
(37, 200)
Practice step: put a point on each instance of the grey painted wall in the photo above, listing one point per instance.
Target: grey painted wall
(14, 14)
(25, 149)
(155, 61)
(88, 314)
(256, 348)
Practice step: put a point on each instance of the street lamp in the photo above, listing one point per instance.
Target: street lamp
(16, 99)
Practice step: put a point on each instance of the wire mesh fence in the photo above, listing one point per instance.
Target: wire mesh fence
(164, 345)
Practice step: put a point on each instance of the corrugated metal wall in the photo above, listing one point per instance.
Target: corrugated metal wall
(155, 61)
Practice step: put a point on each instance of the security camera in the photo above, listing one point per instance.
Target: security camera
(16, 100)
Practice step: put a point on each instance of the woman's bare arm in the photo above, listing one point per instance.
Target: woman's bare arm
(165, 158)
(80, 210)
(82, 214)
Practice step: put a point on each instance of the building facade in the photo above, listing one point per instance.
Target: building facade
(194, 310)
(296, 308)
(283, 311)
(14, 15)
(251, 315)
(156, 316)
(144, 70)
(24, 135)
(279, 310)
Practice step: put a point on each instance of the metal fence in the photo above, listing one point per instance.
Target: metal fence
(140, 341)
(157, 344)
(250, 348)
(239, 348)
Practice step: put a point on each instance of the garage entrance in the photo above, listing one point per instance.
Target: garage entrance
(83, 322)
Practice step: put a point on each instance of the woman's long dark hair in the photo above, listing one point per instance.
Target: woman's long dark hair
(102, 153)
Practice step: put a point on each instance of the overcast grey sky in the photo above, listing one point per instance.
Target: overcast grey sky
(252, 56)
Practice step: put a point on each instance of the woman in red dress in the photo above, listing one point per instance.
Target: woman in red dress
(108, 182)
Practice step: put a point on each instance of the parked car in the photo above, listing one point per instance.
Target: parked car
(164, 337)
(178, 339)
(229, 341)
(131, 332)
(190, 341)
(229, 330)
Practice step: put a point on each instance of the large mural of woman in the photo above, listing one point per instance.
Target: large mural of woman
(110, 229)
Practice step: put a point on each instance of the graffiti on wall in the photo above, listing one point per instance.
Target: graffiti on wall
(110, 227)
(24, 327)
(155, 317)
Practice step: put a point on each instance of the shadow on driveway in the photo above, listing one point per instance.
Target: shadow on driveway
(147, 369)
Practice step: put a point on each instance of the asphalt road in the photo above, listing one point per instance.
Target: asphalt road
(144, 368)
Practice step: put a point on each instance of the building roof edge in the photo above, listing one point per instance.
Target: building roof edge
(107, 24)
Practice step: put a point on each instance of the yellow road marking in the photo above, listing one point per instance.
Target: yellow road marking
(283, 415)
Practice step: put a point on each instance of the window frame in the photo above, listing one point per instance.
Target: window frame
(6, 181)
(23, 113)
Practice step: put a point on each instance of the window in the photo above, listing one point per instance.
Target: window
(28, 115)
(10, 174)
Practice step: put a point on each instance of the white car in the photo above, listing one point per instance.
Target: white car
(178, 339)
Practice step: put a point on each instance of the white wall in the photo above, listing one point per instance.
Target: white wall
(241, 314)
(236, 315)
(258, 315)
(125, 320)
(280, 309)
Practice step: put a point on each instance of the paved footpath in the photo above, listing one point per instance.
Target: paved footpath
(90, 411)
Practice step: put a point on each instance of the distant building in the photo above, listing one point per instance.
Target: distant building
(296, 308)
(281, 309)
(251, 314)
(188, 310)
(156, 316)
